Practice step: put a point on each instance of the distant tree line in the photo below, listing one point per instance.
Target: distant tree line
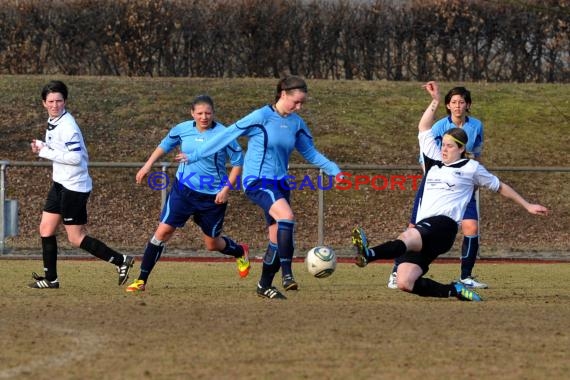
(455, 40)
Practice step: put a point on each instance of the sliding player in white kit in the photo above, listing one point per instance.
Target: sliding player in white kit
(67, 198)
(458, 105)
(450, 181)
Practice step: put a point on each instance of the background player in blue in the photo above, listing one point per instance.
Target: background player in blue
(201, 190)
(67, 199)
(458, 105)
(450, 180)
(274, 131)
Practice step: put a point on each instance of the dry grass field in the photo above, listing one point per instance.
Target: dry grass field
(198, 320)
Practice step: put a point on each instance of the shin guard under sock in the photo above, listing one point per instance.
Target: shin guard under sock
(232, 248)
(270, 267)
(285, 245)
(152, 253)
(469, 250)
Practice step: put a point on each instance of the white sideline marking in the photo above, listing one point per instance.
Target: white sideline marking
(82, 344)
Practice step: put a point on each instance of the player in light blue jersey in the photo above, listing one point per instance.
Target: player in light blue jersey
(274, 131)
(450, 178)
(458, 105)
(200, 190)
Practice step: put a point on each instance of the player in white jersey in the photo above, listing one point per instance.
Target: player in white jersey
(450, 180)
(458, 105)
(67, 199)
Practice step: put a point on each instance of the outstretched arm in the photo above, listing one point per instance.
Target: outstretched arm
(428, 117)
(508, 192)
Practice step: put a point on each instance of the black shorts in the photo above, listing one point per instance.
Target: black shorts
(438, 235)
(71, 205)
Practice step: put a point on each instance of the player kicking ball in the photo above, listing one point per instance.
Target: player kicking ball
(450, 181)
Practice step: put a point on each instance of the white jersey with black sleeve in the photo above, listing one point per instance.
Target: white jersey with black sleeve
(66, 149)
(448, 188)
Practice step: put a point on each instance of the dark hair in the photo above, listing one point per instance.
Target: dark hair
(201, 99)
(461, 91)
(290, 83)
(54, 86)
(460, 138)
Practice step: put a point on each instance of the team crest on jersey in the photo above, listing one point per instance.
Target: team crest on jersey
(458, 173)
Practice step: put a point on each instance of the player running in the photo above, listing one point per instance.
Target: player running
(274, 131)
(201, 190)
(67, 199)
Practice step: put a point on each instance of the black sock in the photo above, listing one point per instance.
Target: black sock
(49, 255)
(98, 249)
(425, 287)
(388, 250)
(270, 267)
(152, 254)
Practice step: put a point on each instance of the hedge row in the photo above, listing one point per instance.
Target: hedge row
(453, 40)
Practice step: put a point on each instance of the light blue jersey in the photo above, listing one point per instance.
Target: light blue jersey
(207, 175)
(473, 128)
(272, 138)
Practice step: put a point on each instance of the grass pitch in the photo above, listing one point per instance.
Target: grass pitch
(199, 320)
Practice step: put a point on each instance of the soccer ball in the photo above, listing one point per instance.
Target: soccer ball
(321, 261)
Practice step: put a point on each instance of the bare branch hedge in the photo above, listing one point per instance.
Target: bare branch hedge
(454, 40)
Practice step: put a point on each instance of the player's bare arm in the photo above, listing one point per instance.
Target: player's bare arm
(508, 192)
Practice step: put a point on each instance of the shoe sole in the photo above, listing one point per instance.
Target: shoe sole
(132, 289)
(269, 298)
(277, 297)
(243, 274)
(476, 286)
(293, 286)
(358, 243)
(34, 286)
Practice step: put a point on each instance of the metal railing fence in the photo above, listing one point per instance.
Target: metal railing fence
(164, 166)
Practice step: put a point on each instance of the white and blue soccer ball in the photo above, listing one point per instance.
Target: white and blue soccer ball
(321, 261)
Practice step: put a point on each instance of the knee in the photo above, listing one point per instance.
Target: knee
(75, 240)
(404, 281)
(46, 230)
(469, 227)
(214, 244)
(163, 236)
(405, 286)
